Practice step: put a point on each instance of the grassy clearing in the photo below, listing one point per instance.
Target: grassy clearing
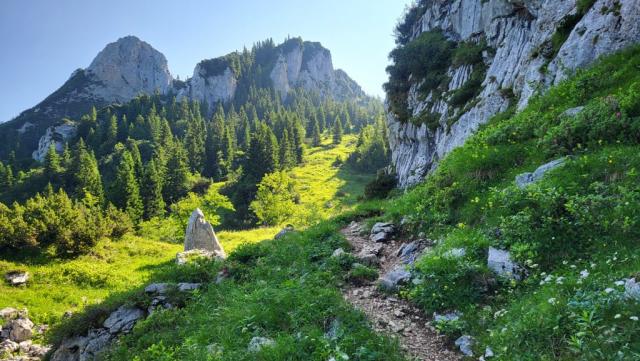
(57, 286)
(325, 188)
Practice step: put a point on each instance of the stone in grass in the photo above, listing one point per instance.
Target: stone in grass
(524, 179)
(338, 253)
(288, 229)
(455, 253)
(123, 319)
(8, 313)
(17, 278)
(200, 235)
(446, 317)
(258, 343)
(500, 262)
(632, 289)
(465, 343)
(21, 329)
(382, 232)
(196, 254)
(394, 278)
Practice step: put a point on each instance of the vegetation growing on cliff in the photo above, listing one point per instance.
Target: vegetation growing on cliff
(574, 231)
(425, 63)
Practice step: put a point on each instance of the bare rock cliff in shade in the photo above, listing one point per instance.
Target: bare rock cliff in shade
(519, 32)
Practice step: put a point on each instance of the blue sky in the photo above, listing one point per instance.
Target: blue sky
(43, 41)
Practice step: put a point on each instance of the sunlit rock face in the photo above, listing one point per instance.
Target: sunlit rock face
(519, 34)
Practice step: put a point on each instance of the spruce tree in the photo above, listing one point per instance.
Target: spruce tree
(263, 154)
(125, 192)
(152, 192)
(176, 182)
(316, 139)
(195, 143)
(337, 131)
(286, 153)
(85, 175)
(52, 166)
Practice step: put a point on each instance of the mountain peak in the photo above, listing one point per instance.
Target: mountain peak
(128, 67)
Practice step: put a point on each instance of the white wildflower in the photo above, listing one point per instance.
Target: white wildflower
(552, 300)
(559, 280)
(617, 316)
(620, 283)
(584, 273)
(633, 318)
(609, 290)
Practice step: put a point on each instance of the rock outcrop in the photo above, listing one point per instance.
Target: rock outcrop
(520, 62)
(16, 335)
(200, 235)
(524, 179)
(119, 322)
(17, 278)
(56, 135)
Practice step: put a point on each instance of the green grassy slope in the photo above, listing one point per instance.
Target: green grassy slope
(576, 231)
(113, 269)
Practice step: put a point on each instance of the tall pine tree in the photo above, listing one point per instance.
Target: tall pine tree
(125, 192)
(337, 131)
(152, 192)
(176, 183)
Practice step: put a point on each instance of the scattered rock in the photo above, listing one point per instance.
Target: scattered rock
(8, 313)
(499, 261)
(17, 278)
(367, 258)
(338, 253)
(488, 352)
(285, 230)
(632, 289)
(447, 317)
(525, 179)
(333, 332)
(81, 348)
(409, 252)
(465, 343)
(396, 277)
(455, 253)
(159, 288)
(21, 329)
(572, 112)
(257, 343)
(123, 319)
(382, 232)
(187, 287)
(200, 235)
(8, 347)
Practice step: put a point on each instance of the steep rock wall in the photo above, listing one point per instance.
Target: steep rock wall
(522, 62)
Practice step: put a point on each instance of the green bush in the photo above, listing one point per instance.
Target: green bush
(381, 186)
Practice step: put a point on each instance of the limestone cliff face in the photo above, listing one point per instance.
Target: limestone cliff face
(520, 63)
(310, 66)
(122, 70)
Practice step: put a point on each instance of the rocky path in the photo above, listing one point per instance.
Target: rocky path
(390, 314)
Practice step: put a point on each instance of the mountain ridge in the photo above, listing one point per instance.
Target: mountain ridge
(129, 67)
